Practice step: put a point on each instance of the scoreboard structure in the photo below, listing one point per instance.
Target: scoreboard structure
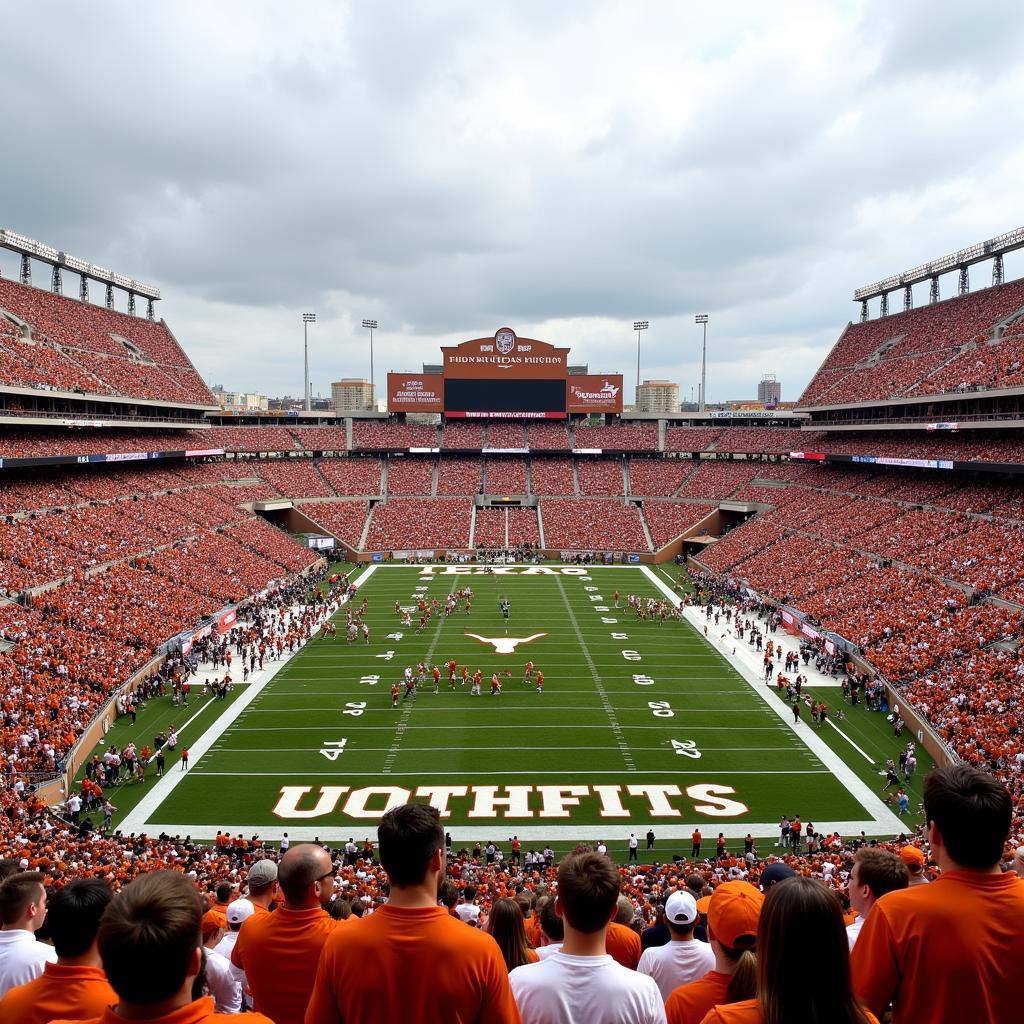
(505, 377)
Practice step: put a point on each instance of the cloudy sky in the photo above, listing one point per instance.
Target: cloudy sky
(448, 168)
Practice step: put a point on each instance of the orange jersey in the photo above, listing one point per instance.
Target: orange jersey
(689, 1004)
(58, 992)
(623, 945)
(199, 1012)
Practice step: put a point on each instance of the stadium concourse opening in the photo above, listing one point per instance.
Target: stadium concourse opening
(748, 633)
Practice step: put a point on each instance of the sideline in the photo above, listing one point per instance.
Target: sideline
(884, 821)
(138, 817)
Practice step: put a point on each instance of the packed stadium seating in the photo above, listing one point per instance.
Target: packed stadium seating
(343, 519)
(666, 520)
(658, 476)
(410, 475)
(624, 437)
(691, 439)
(82, 347)
(600, 477)
(353, 476)
(506, 527)
(717, 479)
(552, 476)
(506, 434)
(506, 476)
(420, 524)
(547, 436)
(459, 476)
(385, 435)
(252, 439)
(465, 434)
(592, 525)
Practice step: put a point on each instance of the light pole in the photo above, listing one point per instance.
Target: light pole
(371, 326)
(702, 318)
(638, 326)
(307, 319)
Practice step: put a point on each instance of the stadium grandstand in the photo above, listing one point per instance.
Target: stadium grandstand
(151, 546)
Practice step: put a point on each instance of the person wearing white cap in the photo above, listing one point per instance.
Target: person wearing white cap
(237, 913)
(684, 958)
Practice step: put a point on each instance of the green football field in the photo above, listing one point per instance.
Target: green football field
(640, 724)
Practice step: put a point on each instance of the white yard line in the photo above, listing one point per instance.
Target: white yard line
(137, 819)
(746, 666)
(867, 757)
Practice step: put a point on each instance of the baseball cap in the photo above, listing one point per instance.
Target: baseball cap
(774, 873)
(681, 908)
(262, 873)
(911, 855)
(239, 911)
(733, 912)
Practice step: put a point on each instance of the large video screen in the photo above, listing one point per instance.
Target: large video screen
(487, 396)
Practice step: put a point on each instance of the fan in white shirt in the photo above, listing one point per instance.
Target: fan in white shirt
(684, 959)
(875, 872)
(582, 982)
(22, 912)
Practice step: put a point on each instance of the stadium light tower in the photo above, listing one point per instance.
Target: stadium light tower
(702, 318)
(638, 326)
(371, 326)
(307, 319)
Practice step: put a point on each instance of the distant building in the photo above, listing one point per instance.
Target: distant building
(351, 394)
(239, 401)
(657, 396)
(769, 391)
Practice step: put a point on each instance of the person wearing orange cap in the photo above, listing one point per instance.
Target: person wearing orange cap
(914, 860)
(733, 910)
(951, 950)
(803, 962)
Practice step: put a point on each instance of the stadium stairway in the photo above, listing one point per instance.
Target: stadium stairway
(366, 522)
(625, 478)
(540, 526)
(529, 479)
(384, 476)
(576, 478)
(472, 526)
(694, 466)
(433, 478)
(320, 473)
(651, 546)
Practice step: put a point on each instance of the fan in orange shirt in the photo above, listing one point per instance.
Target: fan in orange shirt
(279, 951)
(803, 961)
(150, 945)
(623, 945)
(74, 986)
(385, 969)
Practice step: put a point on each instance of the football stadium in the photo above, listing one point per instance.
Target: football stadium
(494, 696)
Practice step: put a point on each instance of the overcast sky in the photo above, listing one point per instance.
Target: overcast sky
(448, 168)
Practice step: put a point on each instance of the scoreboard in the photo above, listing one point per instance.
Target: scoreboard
(541, 398)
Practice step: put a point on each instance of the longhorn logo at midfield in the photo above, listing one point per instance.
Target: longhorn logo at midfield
(506, 644)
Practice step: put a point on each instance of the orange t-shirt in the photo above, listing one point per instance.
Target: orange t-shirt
(748, 1012)
(623, 945)
(690, 1003)
(533, 933)
(279, 953)
(415, 965)
(58, 992)
(951, 950)
(216, 917)
(199, 1012)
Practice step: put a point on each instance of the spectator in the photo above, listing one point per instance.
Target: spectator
(552, 929)
(951, 950)
(582, 982)
(734, 910)
(467, 910)
(773, 874)
(914, 861)
(684, 959)
(279, 951)
(75, 985)
(505, 926)
(262, 884)
(237, 914)
(875, 872)
(803, 962)
(22, 912)
(657, 934)
(410, 961)
(622, 942)
(150, 945)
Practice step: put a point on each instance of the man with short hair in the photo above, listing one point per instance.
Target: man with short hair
(410, 961)
(279, 951)
(914, 860)
(875, 872)
(75, 985)
(951, 950)
(582, 982)
(22, 912)
(683, 959)
(261, 882)
(150, 944)
(468, 911)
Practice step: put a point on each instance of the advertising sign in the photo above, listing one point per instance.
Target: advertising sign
(505, 355)
(421, 392)
(594, 393)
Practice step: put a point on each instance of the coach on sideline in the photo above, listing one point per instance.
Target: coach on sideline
(952, 950)
(411, 962)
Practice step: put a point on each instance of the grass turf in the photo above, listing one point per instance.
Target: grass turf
(607, 718)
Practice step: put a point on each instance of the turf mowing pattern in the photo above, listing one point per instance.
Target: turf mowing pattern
(627, 704)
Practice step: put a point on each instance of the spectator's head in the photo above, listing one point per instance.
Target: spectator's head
(913, 860)
(9, 866)
(626, 912)
(588, 891)
(968, 813)
(734, 911)
(23, 901)
(73, 919)
(525, 901)
(803, 968)
(223, 892)
(411, 844)
(448, 894)
(238, 912)
(773, 874)
(150, 942)
(695, 883)
(875, 872)
(550, 923)
(306, 876)
(339, 909)
(505, 923)
(680, 912)
(262, 882)
(469, 893)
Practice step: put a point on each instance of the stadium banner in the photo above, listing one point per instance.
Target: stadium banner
(421, 392)
(746, 414)
(816, 456)
(192, 453)
(506, 356)
(505, 451)
(880, 460)
(588, 451)
(226, 620)
(520, 415)
(942, 426)
(594, 393)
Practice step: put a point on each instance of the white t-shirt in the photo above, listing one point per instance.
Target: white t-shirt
(565, 989)
(676, 963)
(468, 912)
(224, 982)
(853, 930)
(22, 958)
(543, 952)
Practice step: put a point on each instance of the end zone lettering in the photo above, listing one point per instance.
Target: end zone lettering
(500, 802)
(500, 570)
